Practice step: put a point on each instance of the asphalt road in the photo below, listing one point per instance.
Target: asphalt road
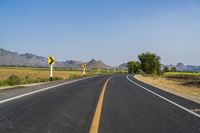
(126, 108)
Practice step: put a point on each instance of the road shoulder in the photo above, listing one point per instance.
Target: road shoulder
(186, 103)
(169, 89)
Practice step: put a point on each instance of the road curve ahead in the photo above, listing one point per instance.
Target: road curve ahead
(117, 104)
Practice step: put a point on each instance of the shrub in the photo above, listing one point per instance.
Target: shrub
(13, 80)
(57, 78)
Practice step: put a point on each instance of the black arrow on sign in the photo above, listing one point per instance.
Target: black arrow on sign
(52, 60)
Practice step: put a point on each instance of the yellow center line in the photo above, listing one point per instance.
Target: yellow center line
(95, 122)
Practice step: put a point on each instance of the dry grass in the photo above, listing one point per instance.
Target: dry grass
(34, 74)
(10, 76)
(175, 86)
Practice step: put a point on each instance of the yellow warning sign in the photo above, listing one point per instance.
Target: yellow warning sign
(83, 65)
(51, 60)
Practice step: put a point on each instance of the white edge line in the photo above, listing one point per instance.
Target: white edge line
(40, 90)
(189, 111)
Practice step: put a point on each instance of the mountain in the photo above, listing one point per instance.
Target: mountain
(181, 67)
(122, 66)
(9, 58)
(73, 64)
(97, 64)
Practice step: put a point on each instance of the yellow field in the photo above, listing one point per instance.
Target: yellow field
(189, 75)
(5, 72)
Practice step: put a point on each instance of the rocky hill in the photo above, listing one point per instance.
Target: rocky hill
(97, 64)
(122, 66)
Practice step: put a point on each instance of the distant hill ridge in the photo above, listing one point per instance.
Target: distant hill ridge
(181, 67)
(9, 58)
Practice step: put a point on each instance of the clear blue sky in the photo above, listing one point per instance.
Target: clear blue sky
(114, 31)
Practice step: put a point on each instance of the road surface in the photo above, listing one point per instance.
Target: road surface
(104, 104)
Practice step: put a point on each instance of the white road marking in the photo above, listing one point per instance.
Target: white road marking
(40, 90)
(189, 111)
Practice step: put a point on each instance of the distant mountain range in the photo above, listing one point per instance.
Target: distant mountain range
(9, 58)
(181, 67)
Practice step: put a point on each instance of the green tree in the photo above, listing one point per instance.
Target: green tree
(133, 67)
(166, 69)
(150, 63)
(173, 69)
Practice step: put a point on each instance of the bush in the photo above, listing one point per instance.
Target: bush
(13, 80)
(57, 78)
(166, 69)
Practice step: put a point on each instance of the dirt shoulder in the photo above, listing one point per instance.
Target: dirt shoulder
(177, 87)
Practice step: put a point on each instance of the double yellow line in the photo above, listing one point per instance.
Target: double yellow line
(95, 123)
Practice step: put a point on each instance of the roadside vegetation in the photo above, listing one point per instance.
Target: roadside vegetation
(148, 69)
(26, 75)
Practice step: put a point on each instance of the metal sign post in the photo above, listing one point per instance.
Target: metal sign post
(51, 63)
(51, 72)
(84, 68)
(84, 72)
(108, 71)
(98, 71)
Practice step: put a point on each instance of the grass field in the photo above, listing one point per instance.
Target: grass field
(27, 75)
(34, 73)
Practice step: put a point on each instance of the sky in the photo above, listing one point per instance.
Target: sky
(114, 31)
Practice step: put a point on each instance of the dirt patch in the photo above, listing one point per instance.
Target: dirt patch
(185, 88)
